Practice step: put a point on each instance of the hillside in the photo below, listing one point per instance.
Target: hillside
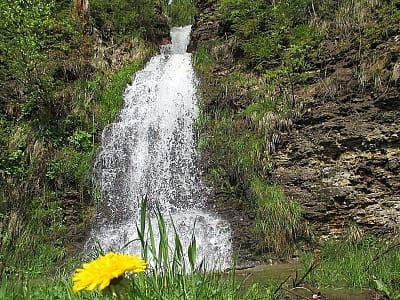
(63, 70)
(301, 118)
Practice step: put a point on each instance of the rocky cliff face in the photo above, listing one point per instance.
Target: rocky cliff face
(341, 158)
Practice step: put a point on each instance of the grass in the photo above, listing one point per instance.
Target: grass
(369, 263)
(279, 220)
(202, 60)
(144, 287)
(173, 274)
(110, 100)
(359, 264)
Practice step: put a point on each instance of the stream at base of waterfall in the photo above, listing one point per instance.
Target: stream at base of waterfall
(150, 152)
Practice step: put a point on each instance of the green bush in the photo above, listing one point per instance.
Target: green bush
(12, 163)
(266, 30)
(81, 140)
(28, 31)
(261, 49)
(121, 19)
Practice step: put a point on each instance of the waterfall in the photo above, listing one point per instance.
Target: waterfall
(150, 152)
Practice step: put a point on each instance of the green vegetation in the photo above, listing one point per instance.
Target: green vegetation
(181, 12)
(147, 286)
(266, 32)
(177, 273)
(174, 274)
(120, 19)
(366, 263)
(61, 82)
(240, 145)
(279, 223)
(202, 60)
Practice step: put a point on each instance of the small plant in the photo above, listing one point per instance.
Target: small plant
(81, 140)
(279, 220)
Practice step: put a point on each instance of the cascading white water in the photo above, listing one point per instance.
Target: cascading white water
(150, 152)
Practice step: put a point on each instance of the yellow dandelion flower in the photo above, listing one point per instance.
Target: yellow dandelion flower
(101, 271)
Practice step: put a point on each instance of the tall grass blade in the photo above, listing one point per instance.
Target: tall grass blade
(128, 243)
(192, 250)
(143, 214)
(153, 248)
(142, 230)
(178, 262)
(163, 246)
